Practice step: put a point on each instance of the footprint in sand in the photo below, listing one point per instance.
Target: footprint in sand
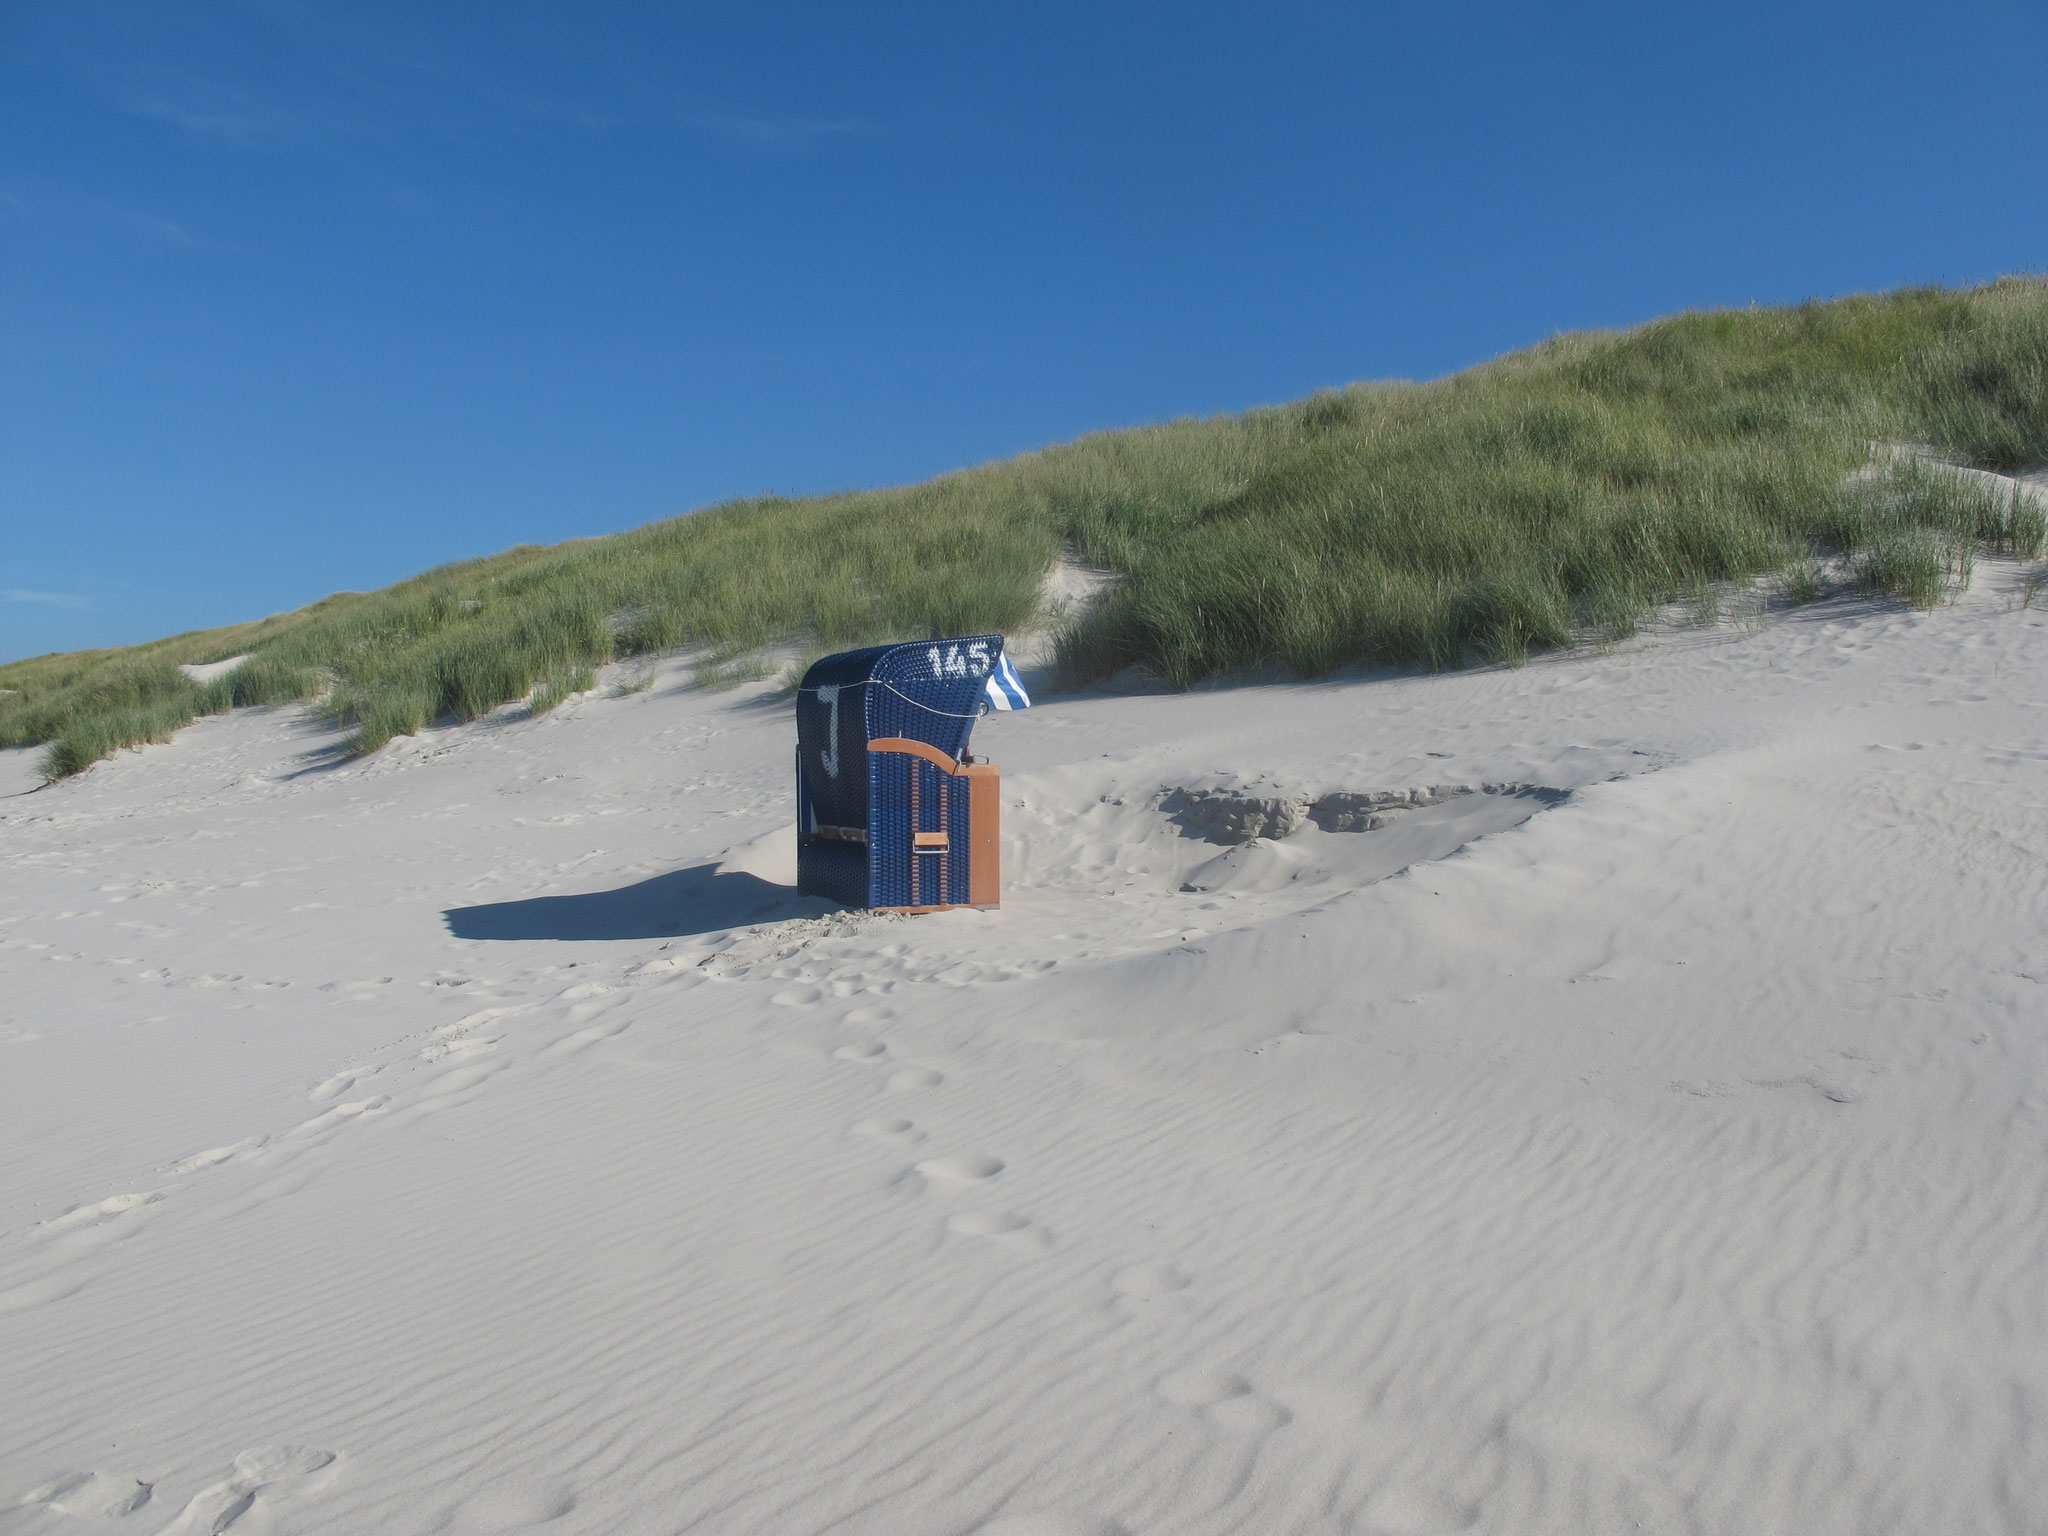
(798, 997)
(1142, 1283)
(213, 1157)
(512, 1505)
(1009, 1229)
(876, 1014)
(866, 1050)
(94, 1495)
(355, 1109)
(911, 1079)
(266, 1475)
(1226, 1401)
(458, 1050)
(63, 1239)
(102, 1216)
(35, 1293)
(955, 1173)
(334, 1087)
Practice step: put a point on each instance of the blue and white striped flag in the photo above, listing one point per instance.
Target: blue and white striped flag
(1004, 690)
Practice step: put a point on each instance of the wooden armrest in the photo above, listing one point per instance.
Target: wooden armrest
(925, 750)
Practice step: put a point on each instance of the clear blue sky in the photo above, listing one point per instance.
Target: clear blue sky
(302, 295)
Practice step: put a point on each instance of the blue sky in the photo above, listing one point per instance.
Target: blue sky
(298, 296)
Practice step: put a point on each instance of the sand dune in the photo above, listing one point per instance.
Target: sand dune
(482, 1137)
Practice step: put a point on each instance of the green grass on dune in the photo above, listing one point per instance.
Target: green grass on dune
(89, 704)
(1556, 493)
(1569, 488)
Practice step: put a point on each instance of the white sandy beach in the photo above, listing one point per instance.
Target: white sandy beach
(478, 1137)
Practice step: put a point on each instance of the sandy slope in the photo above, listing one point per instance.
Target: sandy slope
(1673, 1157)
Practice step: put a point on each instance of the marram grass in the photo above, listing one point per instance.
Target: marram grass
(1556, 493)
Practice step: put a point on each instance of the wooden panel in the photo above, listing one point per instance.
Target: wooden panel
(984, 834)
(930, 842)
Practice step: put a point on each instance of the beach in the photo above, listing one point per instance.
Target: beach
(1644, 1129)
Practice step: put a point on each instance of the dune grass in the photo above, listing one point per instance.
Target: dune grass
(1556, 493)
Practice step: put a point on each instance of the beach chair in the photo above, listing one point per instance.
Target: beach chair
(892, 813)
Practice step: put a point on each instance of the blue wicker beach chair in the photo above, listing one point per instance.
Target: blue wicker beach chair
(891, 811)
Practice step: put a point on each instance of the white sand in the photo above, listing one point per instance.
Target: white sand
(207, 671)
(1674, 1160)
